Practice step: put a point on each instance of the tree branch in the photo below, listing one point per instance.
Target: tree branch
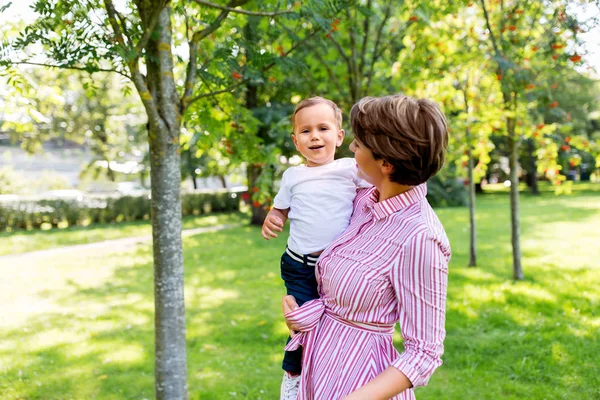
(363, 51)
(146, 36)
(199, 35)
(136, 76)
(340, 50)
(123, 21)
(112, 18)
(204, 95)
(294, 47)
(487, 22)
(376, 54)
(190, 79)
(233, 9)
(191, 71)
(69, 67)
(147, 100)
(323, 63)
(353, 57)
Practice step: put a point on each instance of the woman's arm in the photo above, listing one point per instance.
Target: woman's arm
(386, 385)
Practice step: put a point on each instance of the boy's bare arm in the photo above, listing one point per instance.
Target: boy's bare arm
(274, 222)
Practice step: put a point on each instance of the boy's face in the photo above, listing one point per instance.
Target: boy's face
(316, 134)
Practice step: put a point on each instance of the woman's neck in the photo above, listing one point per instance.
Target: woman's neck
(388, 189)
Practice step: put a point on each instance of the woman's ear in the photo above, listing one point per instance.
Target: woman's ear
(386, 167)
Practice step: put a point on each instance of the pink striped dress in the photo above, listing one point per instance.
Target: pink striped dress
(390, 265)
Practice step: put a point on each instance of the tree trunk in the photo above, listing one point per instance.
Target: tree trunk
(514, 198)
(223, 181)
(254, 170)
(109, 171)
(472, 243)
(165, 172)
(191, 168)
(258, 213)
(532, 168)
(143, 176)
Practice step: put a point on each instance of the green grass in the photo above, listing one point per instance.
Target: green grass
(81, 327)
(24, 241)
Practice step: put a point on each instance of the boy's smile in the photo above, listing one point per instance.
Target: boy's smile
(316, 134)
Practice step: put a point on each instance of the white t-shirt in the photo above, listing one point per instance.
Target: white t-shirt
(320, 202)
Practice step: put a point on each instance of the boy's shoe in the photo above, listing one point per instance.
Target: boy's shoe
(289, 387)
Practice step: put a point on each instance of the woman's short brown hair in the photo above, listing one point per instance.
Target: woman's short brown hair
(411, 134)
(313, 101)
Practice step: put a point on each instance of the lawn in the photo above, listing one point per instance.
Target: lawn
(81, 327)
(24, 241)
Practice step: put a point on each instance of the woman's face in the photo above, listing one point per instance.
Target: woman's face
(369, 168)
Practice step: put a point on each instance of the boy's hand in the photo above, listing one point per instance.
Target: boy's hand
(273, 223)
(289, 304)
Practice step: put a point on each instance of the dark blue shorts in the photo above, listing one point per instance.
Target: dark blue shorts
(298, 274)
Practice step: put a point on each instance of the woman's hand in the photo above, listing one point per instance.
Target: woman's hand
(289, 304)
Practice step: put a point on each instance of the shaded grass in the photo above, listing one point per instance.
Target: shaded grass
(25, 241)
(82, 327)
(572, 188)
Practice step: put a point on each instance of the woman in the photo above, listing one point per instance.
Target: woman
(390, 265)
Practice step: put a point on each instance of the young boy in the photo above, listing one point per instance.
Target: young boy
(317, 198)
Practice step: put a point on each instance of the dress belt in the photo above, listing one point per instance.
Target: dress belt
(382, 329)
(307, 318)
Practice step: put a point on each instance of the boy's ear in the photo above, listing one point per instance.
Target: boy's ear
(295, 141)
(340, 138)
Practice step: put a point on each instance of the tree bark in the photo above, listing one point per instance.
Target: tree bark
(109, 171)
(254, 170)
(191, 168)
(514, 198)
(532, 168)
(165, 172)
(223, 181)
(258, 213)
(472, 241)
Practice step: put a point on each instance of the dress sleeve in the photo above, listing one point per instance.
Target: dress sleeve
(420, 280)
(283, 197)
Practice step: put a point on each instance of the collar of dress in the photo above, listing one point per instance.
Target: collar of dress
(381, 209)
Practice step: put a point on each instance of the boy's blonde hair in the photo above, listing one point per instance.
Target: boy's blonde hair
(411, 134)
(313, 101)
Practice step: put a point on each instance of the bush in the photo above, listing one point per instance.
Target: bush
(11, 181)
(35, 214)
(448, 192)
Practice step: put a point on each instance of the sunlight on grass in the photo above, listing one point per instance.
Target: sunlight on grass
(534, 293)
(52, 337)
(473, 274)
(560, 354)
(119, 353)
(211, 298)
